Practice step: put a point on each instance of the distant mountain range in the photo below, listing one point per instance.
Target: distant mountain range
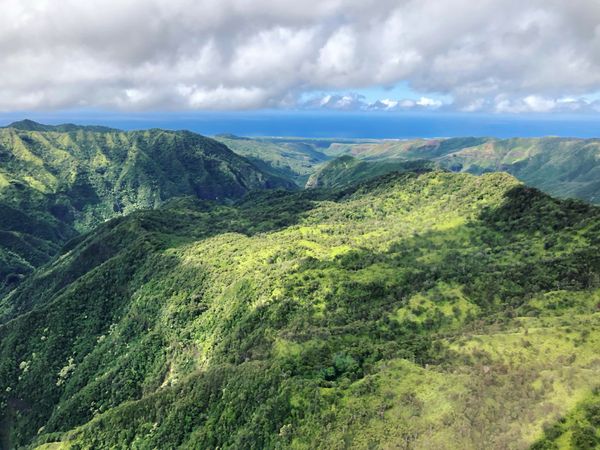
(567, 168)
(295, 159)
(347, 170)
(30, 125)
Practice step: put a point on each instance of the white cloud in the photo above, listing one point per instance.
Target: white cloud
(493, 55)
(355, 101)
(429, 102)
(389, 104)
(350, 101)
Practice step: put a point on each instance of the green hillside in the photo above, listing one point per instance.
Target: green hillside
(294, 159)
(347, 170)
(561, 167)
(429, 311)
(58, 181)
(30, 125)
(568, 168)
(404, 149)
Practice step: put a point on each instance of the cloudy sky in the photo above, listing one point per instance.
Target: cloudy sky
(492, 56)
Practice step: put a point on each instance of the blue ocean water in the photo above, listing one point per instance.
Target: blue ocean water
(332, 124)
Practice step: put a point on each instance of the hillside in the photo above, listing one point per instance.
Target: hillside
(561, 167)
(433, 310)
(58, 181)
(568, 168)
(347, 170)
(30, 125)
(404, 149)
(294, 159)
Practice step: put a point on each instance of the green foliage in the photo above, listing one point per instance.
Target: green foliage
(579, 430)
(346, 170)
(58, 181)
(294, 159)
(564, 167)
(421, 310)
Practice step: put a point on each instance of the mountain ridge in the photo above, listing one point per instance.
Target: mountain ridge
(563, 167)
(383, 312)
(346, 170)
(31, 125)
(56, 184)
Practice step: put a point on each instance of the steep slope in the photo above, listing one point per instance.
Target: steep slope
(568, 168)
(432, 310)
(347, 170)
(404, 149)
(562, 167)
(57, 181)
(293, 159)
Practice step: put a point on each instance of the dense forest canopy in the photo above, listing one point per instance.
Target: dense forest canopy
(418, 308)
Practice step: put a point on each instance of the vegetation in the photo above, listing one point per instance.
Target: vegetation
(562, 167)
(56, 182)
(347, 170)
(416, 310)
(579, 429)
(294, 159)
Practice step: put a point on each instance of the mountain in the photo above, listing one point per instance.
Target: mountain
(347, 170)
(561, 167)
(564, 167)
(30, 125)
(59, 181)
(416, 310)
(294, 159)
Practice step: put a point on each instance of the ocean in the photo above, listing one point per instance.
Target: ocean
(318, 124)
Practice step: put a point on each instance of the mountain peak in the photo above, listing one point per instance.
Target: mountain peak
(31, 125)
(28, 125)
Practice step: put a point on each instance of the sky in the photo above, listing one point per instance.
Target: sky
(132, 58)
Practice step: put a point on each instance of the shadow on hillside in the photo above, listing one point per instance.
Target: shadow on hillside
(503, 257)
(499, 260)
(178, 222)
(529, 210)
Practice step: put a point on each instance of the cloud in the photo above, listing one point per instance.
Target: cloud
(345, 102)
(428, 102)
(353, 101)
(488, 55)
(541, 104)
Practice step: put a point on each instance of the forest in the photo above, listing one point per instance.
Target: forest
(417, 309)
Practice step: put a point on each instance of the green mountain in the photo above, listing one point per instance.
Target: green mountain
(404, 149)
(30, 125)
(561, 167)
(58, 181)
(564, 167)
(417, 310)
(294, 159)
(347, 170)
